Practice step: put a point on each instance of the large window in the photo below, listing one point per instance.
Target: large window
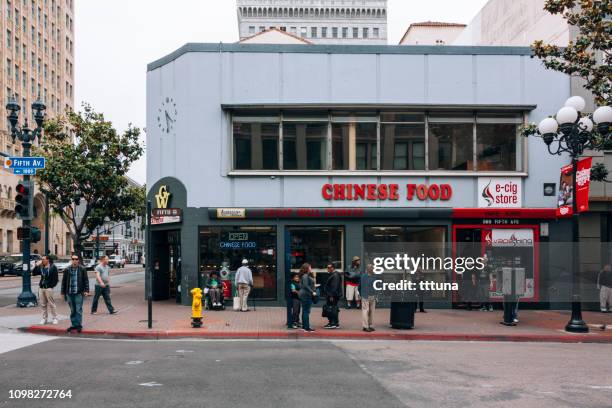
(496, 146)
(222, 249)
(256, 146)
(305, 146)
(451, 146)
(368, 141)
(319, 246)
(402, 141)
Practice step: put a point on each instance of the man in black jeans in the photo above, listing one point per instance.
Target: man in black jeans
(333, 291)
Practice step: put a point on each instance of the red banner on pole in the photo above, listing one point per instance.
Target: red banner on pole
(583, 183)
(566, 194)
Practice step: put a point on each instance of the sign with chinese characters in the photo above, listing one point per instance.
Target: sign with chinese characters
(500, 192)
(566, 194)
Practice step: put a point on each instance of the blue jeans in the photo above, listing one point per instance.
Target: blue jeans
(306, 306)
(105, 293)
(76, 309)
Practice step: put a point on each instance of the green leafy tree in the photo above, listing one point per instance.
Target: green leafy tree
(85, 175)
(589, 55)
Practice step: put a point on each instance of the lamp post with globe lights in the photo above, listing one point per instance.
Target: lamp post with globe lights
(572, 132)
(26, 136)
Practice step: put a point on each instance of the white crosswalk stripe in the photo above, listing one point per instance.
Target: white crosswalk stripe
(10, 340)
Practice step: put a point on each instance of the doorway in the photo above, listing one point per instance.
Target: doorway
(166, 265)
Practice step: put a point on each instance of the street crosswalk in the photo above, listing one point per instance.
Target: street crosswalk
(11, 340)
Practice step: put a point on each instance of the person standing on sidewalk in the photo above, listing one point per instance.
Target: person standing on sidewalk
(333, 292)
(368, 299)
(307, 292)
(244, 281)
(48, 281)
(295, 301)
(352, 277)
(604, 284)
(102, 287)
(75, 285)
(420, 293)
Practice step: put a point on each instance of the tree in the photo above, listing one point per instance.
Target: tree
(589, 55)
(85, 175)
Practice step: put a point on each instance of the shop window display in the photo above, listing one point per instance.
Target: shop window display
(222, 250)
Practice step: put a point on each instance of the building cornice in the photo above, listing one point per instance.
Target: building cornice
(338, 49)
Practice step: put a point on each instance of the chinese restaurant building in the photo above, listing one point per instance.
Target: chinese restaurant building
(286, 154)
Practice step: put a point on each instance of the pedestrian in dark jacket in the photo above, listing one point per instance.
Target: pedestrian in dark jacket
(75, 285)
(48, 281)
(307, 292)
(604, 284)
(333, 292)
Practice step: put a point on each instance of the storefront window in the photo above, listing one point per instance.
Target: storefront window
(496, 146)
(256, 146)
(451, 146)
(318, 246)
(305, 146)
(224, 248)
(427, 241)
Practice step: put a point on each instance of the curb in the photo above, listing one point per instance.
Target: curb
(339, 335)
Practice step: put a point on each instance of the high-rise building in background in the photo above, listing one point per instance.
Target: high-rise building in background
(318, 21)
(37, 59)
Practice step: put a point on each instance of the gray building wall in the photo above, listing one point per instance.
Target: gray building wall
(199, 151)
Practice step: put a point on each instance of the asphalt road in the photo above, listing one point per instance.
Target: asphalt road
(312, 374)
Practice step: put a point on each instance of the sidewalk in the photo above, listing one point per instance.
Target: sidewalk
(173, 321)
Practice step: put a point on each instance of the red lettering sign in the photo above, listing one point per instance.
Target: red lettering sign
(386, 192)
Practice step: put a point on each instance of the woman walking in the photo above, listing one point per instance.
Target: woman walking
(307, 292)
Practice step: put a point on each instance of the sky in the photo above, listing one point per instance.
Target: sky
(116, 39)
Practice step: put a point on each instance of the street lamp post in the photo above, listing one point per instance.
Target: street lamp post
(26, 136)
(572, 133)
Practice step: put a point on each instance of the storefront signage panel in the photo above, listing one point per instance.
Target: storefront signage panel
(499, 192)
(386, 192)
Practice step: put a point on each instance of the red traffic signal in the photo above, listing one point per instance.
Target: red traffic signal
(24, 207)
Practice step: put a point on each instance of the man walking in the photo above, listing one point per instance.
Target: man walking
(48, 281)
(352, 277)
(102, 286)
(333, 292)
(75, 285)
(604, 284)
(244, 281)
(368, 299)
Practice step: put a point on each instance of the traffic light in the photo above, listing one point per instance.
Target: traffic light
(35, 237)
(25, 203)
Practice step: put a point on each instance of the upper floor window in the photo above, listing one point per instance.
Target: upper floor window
(314, 32)
(334, 32)
(369, 141)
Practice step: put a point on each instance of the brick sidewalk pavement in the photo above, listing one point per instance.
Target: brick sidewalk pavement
(172, 320)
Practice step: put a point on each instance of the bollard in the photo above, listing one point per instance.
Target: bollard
(196, 308)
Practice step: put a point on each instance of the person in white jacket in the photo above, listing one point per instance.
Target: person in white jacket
(244, 282)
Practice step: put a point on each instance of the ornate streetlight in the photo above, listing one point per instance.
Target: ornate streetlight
(26, 136)
(572, 132)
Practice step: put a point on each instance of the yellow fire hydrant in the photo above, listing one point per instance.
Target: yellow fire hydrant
(196, 308)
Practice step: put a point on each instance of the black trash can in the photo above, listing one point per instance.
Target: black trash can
(402, 315)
